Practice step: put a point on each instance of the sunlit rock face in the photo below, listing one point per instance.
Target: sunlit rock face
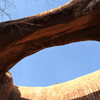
(71, 23)
(6, 85)
(83, 88)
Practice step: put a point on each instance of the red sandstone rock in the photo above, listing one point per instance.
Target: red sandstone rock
(78, 20)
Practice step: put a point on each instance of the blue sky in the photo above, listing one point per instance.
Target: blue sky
(56, 64)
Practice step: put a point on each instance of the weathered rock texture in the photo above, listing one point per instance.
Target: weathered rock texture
(83, 88)
(78, 20)
(6, 85)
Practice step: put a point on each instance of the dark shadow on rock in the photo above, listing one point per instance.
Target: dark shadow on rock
(91, 96)
(23, 99)
(15, 94)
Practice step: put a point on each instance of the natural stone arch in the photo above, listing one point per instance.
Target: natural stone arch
(75, 21)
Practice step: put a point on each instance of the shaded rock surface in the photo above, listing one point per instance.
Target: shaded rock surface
(78, 20)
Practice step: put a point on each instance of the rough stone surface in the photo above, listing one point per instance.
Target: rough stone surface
(6, 85)
(83, 88)
(78, 20)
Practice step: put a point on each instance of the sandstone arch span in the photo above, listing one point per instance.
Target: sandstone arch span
(78, 20)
